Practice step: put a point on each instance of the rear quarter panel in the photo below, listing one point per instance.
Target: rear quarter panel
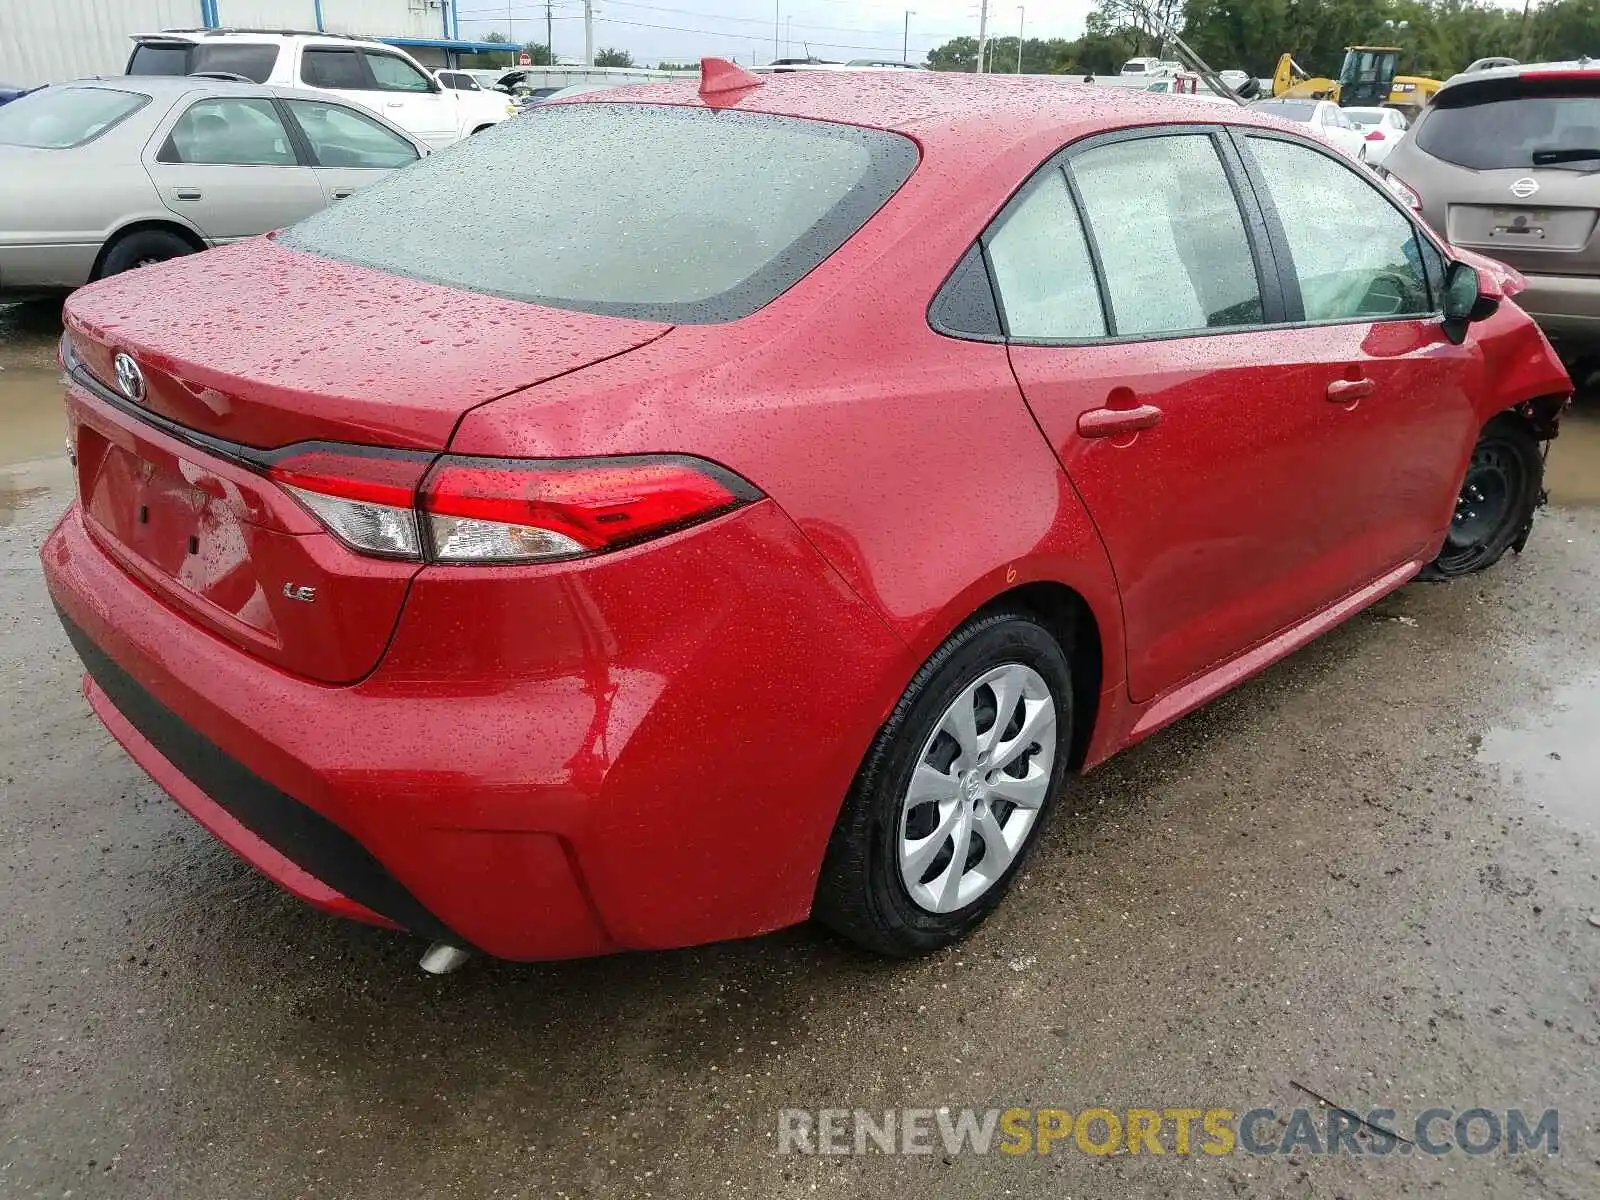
(909, 459)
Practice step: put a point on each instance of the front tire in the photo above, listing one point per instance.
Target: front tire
(1504, 483)
(952, 793)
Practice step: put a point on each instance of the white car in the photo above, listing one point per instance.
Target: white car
(1380, 129)
(1326, 119)
(386, 80)
(1147, 67)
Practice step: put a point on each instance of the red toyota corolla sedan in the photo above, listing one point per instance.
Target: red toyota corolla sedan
(678, 513)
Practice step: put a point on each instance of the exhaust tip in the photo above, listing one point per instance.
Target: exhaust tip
(441, 958)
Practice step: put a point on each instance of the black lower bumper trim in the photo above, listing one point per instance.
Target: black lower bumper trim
(299, 833)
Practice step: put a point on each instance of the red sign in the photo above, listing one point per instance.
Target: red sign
(524, 60)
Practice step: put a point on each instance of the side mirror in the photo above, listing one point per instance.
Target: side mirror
(1466, 300)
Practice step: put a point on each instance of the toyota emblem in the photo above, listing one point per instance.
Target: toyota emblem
(1524, 187)
(130, 379)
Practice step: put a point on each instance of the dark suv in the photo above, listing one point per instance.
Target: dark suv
(1506, 162)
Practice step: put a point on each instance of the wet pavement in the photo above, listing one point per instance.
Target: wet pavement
(1371, 873)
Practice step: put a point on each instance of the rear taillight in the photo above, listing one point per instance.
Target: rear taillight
(494, 510)
(1402, 189)
(366, 500)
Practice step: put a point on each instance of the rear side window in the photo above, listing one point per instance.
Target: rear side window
(1170, 236)
(657, 212)
(253, 60)
(1515, 132)
(1042, 271)
(59, 118)
(333, 69)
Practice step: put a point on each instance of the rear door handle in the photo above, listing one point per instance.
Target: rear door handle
(342, 193)
(1342, 391)
(1118, 422)
(395, 104)
(185, 193)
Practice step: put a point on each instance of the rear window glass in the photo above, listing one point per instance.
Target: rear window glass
(62, 117)
(1516, 132)
(651, 211)
(1288, 110)
(253, 60)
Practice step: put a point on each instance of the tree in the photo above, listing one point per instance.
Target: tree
(1558, 32)
(677, 66)
(958, 54)
(1149, 20)
(612, 57)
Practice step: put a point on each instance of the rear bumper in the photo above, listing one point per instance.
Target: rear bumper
(1564, 305)
(645, 751)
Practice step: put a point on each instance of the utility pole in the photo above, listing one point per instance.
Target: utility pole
(510, 37)
(588, 33)
(1022, 16)
(905, 37)
(776, 24)
(549, 38)
(788, 37)
(983, 31)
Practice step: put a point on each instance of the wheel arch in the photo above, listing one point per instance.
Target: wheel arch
(1071, 620)
(147, 224)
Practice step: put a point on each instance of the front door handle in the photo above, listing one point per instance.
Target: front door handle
(1118, 422)
(395, 104)
(186, 193)
(1343, 391)
(341, 193)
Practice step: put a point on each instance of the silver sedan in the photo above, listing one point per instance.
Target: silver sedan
(103, 175)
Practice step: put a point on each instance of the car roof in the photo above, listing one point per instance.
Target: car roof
(159, 86)
(935, 105)
(253, 35)
(1581, 66)
(171, 87)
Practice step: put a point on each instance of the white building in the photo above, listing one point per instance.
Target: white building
(44, 41)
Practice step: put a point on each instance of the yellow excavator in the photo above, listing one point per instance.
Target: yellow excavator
(1366, 79)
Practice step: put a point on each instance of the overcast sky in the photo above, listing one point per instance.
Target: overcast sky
(684, 30)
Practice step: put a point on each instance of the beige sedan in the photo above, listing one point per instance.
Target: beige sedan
(107, 174)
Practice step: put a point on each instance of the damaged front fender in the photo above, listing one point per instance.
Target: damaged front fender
(1523, 372)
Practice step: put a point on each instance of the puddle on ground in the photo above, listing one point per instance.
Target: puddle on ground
(32, 420)
(1572, 472)
(32, 424)
(1554, 760)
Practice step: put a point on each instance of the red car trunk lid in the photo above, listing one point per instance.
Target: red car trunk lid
(266, 346)
(271, 348)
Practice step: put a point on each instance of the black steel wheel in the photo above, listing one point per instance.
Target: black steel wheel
(1502, 486)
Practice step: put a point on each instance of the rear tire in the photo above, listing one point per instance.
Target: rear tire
(141, 248)
(1503, 485)
(890, 880)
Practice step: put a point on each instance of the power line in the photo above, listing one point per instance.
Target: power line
(725, 33)
(761, 20)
